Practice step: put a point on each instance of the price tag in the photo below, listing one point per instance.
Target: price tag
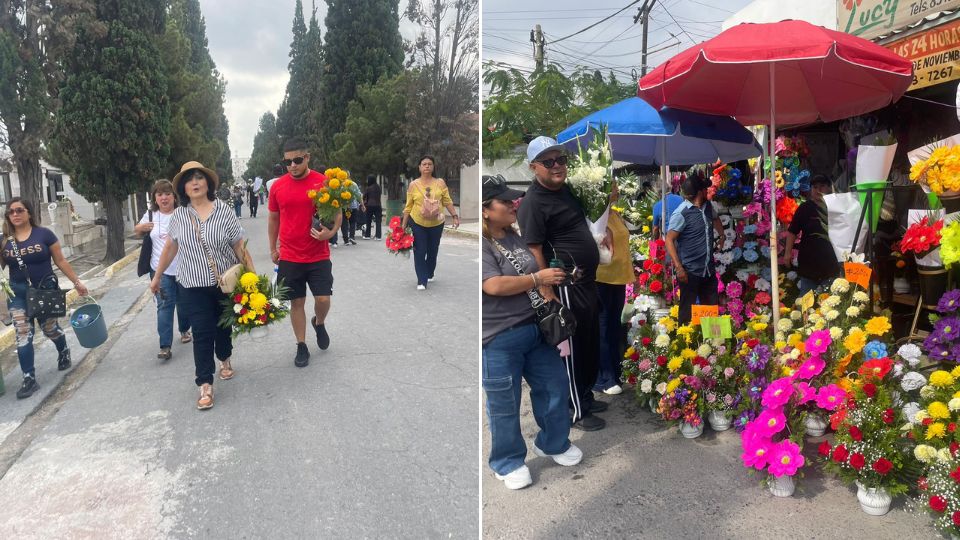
(716, 327)
(696, 312)
(857, 273)
(807, 301)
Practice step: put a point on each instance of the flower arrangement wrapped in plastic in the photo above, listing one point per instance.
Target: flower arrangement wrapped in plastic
(254, 303)
(590, 177)
(940, 171)
(922, 237)
(398, 241)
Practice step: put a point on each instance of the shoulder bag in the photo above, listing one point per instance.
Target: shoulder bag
(556, 322)
(45, 300)
(146, 251)
(228, 281)
(430, 209)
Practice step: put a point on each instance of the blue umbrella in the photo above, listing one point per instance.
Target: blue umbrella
(640, 134)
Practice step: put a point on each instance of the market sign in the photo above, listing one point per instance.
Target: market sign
(935, 54)
(871, 18)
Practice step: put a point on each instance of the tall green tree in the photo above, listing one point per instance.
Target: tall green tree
(362, 45)
(266, 149)
(289, 115)
(297, 114)
(113, 127)
(35, 35)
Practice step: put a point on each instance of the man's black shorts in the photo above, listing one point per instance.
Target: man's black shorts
(296, 276)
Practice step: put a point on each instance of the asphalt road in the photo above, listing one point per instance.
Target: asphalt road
(375, 439)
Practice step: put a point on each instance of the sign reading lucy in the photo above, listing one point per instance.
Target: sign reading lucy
(872, 18)
(935, 54)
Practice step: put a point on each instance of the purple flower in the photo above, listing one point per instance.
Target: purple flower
(735, 289)
(740, 423)
(756, 388)
(693, 382)
(758, 357)
(947, 329)
(938, 351)
(948, 303)
(955, 352)
(728, 400)
(735, 307)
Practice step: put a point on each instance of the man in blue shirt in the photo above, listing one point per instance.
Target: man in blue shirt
(673, 202)
(690, 237)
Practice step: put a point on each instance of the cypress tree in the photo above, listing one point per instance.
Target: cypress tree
(266, 149)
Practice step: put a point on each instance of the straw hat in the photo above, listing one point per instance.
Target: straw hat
(191, 165)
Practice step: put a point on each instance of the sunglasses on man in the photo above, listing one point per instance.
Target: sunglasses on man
(549, 163)
(294, 161)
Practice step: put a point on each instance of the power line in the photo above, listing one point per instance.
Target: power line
(682, 29)
(628, 6)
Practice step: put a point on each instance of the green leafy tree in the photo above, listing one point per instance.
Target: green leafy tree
(113, 127)
(266, 149)
(34, 37)
(362, 45)
(297, 116)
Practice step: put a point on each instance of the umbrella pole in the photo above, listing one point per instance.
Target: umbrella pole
(774, 270)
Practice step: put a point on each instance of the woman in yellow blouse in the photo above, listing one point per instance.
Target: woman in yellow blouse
(612, 280)
(426, 198)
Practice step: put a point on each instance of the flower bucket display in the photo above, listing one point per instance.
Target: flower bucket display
(933, 283)
(873, 168)
(782, 486)
(934, 166)
(873, 501)
(719, 420)
(691, 431)
(816, 425)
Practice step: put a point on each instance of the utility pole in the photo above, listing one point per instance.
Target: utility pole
(645, 14)
(536, 36)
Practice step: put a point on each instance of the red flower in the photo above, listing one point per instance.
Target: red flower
(938, 503)
(237, 298)
(643, 279)
(824, 449)
(656, 287)
(922, 483)
(856, 434)
(921, 237)
(954, 446)
(657, 268)
(840, 453)
(956, 518)
(951, 427)
(882, 466)
(645, 341)
(632, 379)
(263, 318)
(956, 475)
(876, 368)
(647, 264)
(243, 311)
(888, 416)
(753, 343)
(635, 356)
(927, 421)
(870, 389)
(851, 403)
(837, 418)
(762, 298)
(661, 360)
(857, 461)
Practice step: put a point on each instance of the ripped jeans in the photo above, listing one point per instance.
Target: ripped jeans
(25, 329)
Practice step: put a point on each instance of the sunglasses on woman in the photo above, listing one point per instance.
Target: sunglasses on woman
(16, 211)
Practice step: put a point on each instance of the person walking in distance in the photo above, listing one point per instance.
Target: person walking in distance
(555, 229)
(303, 256)
(237, 194)
(426, 197)
(371, 199)
(253, 199)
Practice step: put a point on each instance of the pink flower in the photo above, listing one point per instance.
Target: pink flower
(778, 393)
(756, 452)
(706, 370)
(785, 458)
(806, 393)
(818, 342)
(830, 397)
(770, 422)
(728, 372)
(811, 368)
(644, 364)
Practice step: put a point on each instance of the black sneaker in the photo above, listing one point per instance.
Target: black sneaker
(28, 387)
(323, 339)
(303, 355)
(63, 360)
(598, 406)
(590, 423)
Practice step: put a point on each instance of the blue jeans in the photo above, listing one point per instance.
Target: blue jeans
(512, 354)
(166, 304)
(24, 328)
(237, 206)
(426, 244)
(202, 307)
(612, 337)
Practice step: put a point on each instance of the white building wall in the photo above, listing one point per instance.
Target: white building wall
(818, 12)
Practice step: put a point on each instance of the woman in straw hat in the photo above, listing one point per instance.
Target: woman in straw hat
(207, 236)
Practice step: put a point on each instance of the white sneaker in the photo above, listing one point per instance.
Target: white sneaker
(519, 478)
(430, 279)
(571, 457)
(421, 287)
(613, 390)
(334, 246)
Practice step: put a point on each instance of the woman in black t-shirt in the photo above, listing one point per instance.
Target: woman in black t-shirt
(38, 249)
(817, 263)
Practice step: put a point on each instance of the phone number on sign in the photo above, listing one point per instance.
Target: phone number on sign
(935, 75)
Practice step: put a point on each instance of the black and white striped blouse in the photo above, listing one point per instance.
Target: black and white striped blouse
(220, 231)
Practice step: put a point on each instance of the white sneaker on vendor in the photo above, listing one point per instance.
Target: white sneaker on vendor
(571, 457)
(613, 390)
(519, 478)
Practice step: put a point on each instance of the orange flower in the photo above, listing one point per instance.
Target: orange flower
(842, 365)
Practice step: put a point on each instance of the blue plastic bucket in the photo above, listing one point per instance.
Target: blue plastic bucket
(89, 326)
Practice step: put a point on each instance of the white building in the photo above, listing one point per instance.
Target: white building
(818, 12)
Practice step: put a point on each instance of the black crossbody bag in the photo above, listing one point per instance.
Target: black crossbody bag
(45, 300)
(146, 251)
(556, 322)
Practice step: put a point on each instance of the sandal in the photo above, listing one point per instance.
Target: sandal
(206, 397)
(186, 337)
(165, 353)
(226, 371)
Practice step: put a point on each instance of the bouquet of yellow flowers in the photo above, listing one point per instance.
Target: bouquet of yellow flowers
(334, 196)
(254, 303)
(941, 171)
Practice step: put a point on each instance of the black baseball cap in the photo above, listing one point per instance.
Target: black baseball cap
(495, 187)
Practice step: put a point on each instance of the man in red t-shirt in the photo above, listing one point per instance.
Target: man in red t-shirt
(303, 257)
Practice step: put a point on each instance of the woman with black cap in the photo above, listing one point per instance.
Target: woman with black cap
(514, 349)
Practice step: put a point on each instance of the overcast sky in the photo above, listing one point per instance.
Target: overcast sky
(674, 26)
(250, 41)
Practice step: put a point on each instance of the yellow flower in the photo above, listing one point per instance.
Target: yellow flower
(258, 301)
(685, 330)
(667, 323)
(312, 194)
(795, 340)
(333, 183)
(674, 364)
(324, 198)
(675, 311)
(936, 430)
(272, 316)
(342, 174)
(787, 371)
(855, 341)
(629, 352)
(346, 195)
(759, 327)
(672, 385)
(941, 378)
(742, 334)
(335, 203)
(924, 453)
(878, 326)
(645, 229)
(938, 409)
(688, 353)
(249, 279)
(348, 182)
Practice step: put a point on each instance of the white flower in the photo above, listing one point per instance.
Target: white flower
(725, 220)
(944, 455)
(661, 388)
(831, 301)
(832, 315)
(910, 410)
(840, 286)
(730, 235)
(927, 392)
(861, 297)
(743, 275)
(762, 285)
(835, 332)
(920, 416)
(898, 369)
(237, 308)
(954, 404)
(911, 353)
(795, 354)
(852, 257)
(721, 269)
(725, 258)
(646, 385)
(704, 350)
(275, 302)
(853, 311)
(795, 315)
(792, 275)
(785, 325)
(663, 340)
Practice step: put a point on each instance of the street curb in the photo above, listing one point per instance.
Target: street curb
(8, 335)
(461, 234)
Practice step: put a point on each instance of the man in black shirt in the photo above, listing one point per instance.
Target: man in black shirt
(555, 229)
(817, 263)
